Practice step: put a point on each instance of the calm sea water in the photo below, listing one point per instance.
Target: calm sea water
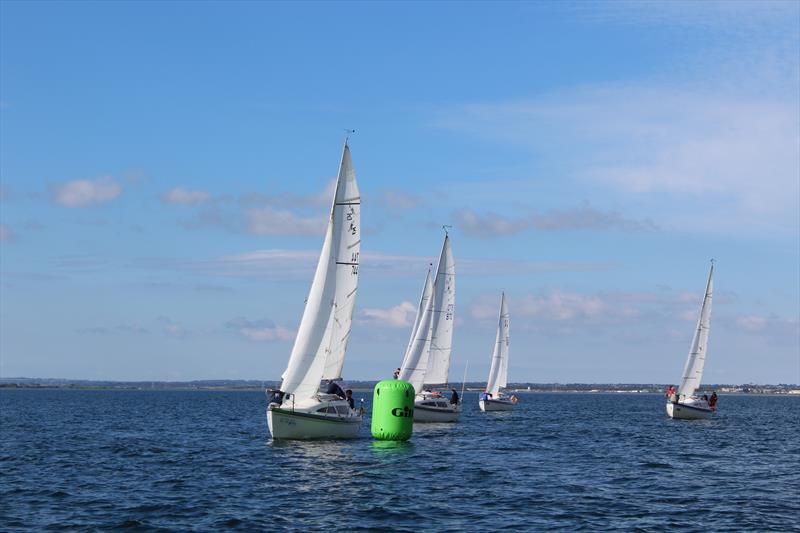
(151, 460)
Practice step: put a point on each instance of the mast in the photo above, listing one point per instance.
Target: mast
(693, 370)
(498, 372)
(324, 329)
(444, 294)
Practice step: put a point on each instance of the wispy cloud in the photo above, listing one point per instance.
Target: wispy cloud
(6, 234)
(271, 221)
(85, 193)
(399, 200)
(179, 195)
(260, 330)
(722, 159)
(490, 225)
(287, 200)
(131, 329)
(171, 328)
(398, 316)
(257, 213)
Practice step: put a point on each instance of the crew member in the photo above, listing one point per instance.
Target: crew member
(334, 388)
(454, 397)
(348, 395)
(712, 402)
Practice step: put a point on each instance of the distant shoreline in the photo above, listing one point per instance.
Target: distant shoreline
(367, 386)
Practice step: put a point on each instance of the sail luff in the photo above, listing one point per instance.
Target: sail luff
(324, 327)
(442, 319)
(693, 369)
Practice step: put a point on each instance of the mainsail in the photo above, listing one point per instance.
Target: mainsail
(693, 371)
(498, 372)
(444, 298)
(415, 361)
(321, 341)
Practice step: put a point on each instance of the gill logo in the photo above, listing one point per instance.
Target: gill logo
(405, 412)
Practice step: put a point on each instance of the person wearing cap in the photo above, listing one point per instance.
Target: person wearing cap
(397, 374)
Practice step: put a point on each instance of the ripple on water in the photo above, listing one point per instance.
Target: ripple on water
(157, 460)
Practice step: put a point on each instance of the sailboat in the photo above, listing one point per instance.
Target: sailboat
(299, 410)
(683, 403)
(493, 399)
(426, 363)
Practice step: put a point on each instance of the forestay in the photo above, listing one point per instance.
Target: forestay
(444, 294)
(693, 370)
(498, 372)
(324, 330)
(415, 361)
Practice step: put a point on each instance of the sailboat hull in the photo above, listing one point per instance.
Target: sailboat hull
(687, 412)
(426, 414)
(295, 425)
(495, 405)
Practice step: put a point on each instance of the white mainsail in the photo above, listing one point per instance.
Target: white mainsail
(498, 372)
(693, 370)
(321, 341)
(415, 361)
(444, 298)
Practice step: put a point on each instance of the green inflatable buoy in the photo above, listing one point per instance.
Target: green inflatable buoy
(393, 410)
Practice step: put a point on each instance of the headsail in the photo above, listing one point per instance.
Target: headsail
(498, 373)
(693, 370)
(444, 298)
(324, 330)
(415, 361)
(427, 290)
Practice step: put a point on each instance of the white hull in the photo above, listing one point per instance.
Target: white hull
(496, 405)
(436, 414)
(687, 412)
(288, 424)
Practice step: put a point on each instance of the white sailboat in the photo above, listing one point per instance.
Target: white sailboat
(299, 410)
(426, 363)
(683, 403)
(494, 399)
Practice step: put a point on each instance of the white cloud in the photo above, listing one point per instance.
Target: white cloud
(695, 156)
(260, 330)
(751, 322)
(286, 200)
(299, 264)
(580, 218)
(171, 328)
(179, 195)
(85, 193)
(271, 221)
(556, 305)
(488, 225)
(397, 200)
(401, 315)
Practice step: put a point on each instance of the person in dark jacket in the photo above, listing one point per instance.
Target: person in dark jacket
(334, 388)
(454, 397)
(348, 395)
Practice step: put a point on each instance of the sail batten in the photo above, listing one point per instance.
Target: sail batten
(693, 369)
(323, 334)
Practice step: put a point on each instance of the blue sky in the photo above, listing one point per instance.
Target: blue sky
(166, 172)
